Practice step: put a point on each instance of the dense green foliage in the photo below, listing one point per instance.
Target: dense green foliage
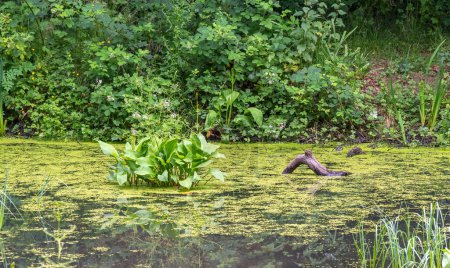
(166, 162)
(105, 69)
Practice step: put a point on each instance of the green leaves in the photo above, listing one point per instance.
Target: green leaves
(211, 119)
(122, 178)
(256, 114)
(187, 183)
(230, 97)
(164, 177)
(108, 149)
(164, 162)
(217, 174)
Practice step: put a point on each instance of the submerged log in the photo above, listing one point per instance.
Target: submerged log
(309, 160)
(355, 151)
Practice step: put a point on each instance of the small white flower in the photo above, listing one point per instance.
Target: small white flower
(145, 117)
(166, 103)
(136, 115)
(374, 114)
(110, 98)
(173, 115)
(134, 132)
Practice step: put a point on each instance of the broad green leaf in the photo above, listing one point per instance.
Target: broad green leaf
(217, 174)
(196, 143)
(143, 162)
(143, 171)
(256, 114)
(131, 164)
(206, 147)
(202, 164)
(129, 154)
(211, 119)
(196, 177)
(187, 183)
(128, 147)
(108, 149)
(170, 147)
(141, 145)
(122, 178)
(231, 97)
(164, 177)
(242, 120)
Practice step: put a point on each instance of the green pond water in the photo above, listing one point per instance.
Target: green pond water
(257, 218)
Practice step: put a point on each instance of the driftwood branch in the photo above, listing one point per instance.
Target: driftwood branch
(309, 160)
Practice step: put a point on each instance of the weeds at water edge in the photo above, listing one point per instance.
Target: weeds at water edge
(414, 240)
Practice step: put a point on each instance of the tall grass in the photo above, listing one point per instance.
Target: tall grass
(438, 93)
(418, 240)
(438, 96)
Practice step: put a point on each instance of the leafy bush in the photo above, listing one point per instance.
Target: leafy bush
(262, 45)
(82, 70)
(164, 162)
(103, 69)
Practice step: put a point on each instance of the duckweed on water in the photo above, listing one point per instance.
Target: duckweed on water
(297, 218)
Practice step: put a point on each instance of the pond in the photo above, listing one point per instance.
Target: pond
(67, 214)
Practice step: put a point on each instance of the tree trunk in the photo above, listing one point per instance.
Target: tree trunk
(309, 160)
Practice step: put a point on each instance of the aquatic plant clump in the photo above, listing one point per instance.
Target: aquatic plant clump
(406, 243)
(164, 162)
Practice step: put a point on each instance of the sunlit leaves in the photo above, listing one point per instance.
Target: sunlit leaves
(164, 162)
(108, 149)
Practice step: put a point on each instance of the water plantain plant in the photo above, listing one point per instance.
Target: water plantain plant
(169, 162)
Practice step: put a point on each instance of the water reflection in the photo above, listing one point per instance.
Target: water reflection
(155, 237)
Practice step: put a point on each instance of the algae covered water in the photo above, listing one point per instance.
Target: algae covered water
(65, 213)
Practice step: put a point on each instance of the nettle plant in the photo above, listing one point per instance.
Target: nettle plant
(169, 162)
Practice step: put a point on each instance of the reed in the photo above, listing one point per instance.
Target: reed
(415, 240)
(438, 96)
(439, 91)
